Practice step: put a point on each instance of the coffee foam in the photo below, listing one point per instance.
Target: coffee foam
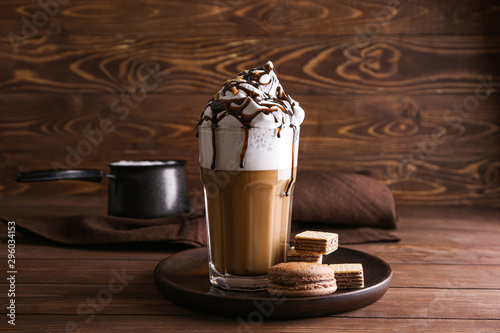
(266, 151)
(140, 163)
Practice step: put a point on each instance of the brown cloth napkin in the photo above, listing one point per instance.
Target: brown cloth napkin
(355, 206)
(351, 200)
(187, 229)
(322, 201)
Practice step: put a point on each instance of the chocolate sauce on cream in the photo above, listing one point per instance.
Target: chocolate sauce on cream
(252, 93)
(292, 177)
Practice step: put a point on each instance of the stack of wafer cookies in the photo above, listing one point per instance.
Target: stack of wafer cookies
(309, 249)
(348, 276)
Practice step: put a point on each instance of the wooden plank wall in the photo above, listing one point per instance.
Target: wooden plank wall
(406, 90)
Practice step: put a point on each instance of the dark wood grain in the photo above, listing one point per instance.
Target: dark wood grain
(418, 302)
(389, 86)
(95, 271)
(432, 235)
(234, 17)
(392, 137)
(408, 253)
(326, 65)
(98, 271)
(445, 277)
(184, 324)
(385, 85)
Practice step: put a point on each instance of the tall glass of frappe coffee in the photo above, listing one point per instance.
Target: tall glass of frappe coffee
(248, 139)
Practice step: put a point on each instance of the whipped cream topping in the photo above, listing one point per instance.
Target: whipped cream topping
(254, 99)
(251, 124)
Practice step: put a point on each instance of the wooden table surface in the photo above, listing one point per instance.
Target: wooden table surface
(446, 279)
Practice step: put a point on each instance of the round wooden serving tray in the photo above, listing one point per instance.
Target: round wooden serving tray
(183, 279)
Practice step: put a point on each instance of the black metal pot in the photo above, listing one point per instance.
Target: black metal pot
(137, 189)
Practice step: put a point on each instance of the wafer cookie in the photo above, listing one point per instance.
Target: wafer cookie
(317, 241)
(348, 276)
(294, 255)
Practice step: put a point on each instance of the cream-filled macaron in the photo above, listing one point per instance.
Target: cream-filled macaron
(301, 279)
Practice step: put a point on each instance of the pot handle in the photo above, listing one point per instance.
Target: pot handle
(89, 175)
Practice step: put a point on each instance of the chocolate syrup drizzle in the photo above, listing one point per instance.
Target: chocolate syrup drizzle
(235, 107)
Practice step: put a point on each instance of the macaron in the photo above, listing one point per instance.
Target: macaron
(301, 279)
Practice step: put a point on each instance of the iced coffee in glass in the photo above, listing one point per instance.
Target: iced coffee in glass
(248, 139)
